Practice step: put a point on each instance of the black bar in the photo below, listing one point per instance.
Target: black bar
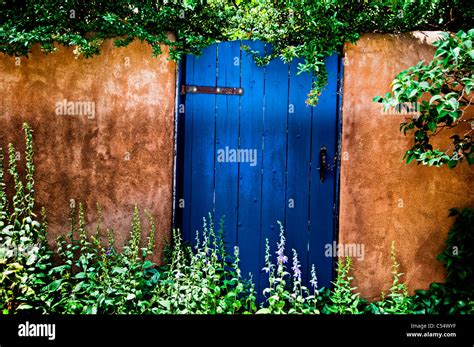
(383, 330)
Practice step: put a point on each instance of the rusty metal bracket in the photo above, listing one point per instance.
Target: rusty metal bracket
(211, 90)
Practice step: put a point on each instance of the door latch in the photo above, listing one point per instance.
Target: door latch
(323, 153)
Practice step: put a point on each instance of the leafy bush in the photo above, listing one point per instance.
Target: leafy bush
(280, 298)
(444, 87)
(92, 277)
(342, 298)
(205, 280)
(397, 301)
(24, 256)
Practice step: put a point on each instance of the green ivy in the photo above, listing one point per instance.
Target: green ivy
(442, 89)
(310, 30)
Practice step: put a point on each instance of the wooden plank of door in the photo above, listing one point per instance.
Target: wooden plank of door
(203, 107)
(322, 193)
(274, 154)
(299, 146)
(227, 140)
(250, 185)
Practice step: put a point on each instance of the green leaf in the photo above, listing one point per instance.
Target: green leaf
(432, 126)
(413, 93)
(31, 259)
(410, 158)
(264, 311)
(80, 275)
(166, 304)
(453, 103)
(456, 51)
(24, 307)
(396, 86)
(78, 287)
(434, 98)
(424, 85)
(53, 286)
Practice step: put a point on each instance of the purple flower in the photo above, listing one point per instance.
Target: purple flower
(236, 251)
(282, 258)
(108, 252)
(297, 273)
(314, 279)
(296, 266)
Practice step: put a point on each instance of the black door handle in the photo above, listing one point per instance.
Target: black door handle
(323, 153)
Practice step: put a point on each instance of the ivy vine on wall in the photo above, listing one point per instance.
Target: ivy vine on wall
(442, 89)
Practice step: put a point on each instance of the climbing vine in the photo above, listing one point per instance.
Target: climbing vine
(312, 30)
(442, 91)
(309, 30)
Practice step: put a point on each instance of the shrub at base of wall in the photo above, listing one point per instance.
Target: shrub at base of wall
(92, 277)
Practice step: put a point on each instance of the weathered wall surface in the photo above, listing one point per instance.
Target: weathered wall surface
(118, 155)
(382, 199)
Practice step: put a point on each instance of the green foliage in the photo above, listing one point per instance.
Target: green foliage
(444, 87)
(306, 29)
(343, 299)
(95, 278)
(91, 276)
(280, 298)
(206, 280)
(85, 25)
(457, 294)
(315, 29)
(24, 256)
(458, 256)
(397, 301)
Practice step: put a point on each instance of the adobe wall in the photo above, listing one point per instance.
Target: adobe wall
(118, 152)
(381, 198)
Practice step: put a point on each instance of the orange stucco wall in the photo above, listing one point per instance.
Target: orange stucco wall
(119, 155)
(381, 198)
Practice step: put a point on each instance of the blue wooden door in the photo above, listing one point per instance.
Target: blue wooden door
(256, 157)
